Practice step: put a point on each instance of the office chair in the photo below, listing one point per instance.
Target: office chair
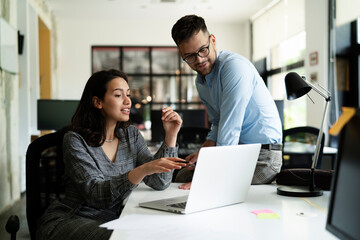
(44, 171)
(190, 139)
(298, 150)
(299, 147)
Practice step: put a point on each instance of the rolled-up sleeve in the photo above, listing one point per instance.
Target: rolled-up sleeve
(157, 181)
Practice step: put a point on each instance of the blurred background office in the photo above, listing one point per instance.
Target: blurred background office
(50, 48)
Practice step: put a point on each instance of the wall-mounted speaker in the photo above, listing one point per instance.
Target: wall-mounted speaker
(20, 42)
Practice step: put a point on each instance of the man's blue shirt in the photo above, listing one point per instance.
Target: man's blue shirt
(239, 104)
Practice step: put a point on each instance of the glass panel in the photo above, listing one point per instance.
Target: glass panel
(289, 51)
(104, 58)
(139, 87)
(276, 86)
(358, 33)
(177, 106)
(136, 60)
(303, 137)
(189, 92)
(165, 89)
(165, 60)
(194, 106)
(156, 106)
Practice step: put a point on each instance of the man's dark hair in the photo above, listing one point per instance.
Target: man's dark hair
(88, 121)
(186, 27)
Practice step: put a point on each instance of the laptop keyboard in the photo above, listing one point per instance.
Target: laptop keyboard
(181, 205)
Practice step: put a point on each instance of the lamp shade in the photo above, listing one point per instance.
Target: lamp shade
(295, 86)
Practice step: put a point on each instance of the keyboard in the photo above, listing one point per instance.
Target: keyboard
(181, 205)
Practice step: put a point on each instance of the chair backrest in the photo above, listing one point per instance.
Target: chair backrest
(44, 171)
(299, 147)
(190, 139)
(192, 135)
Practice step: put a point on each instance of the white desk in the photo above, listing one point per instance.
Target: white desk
(300, 218)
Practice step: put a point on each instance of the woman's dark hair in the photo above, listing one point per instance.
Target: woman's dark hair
(186, 27)
(88, 120)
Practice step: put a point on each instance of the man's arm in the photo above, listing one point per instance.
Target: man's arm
(237, 89)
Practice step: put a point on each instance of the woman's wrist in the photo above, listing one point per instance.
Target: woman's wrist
(170, 140)
(137, 175)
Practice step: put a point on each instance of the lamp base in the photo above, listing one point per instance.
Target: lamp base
(299, 191)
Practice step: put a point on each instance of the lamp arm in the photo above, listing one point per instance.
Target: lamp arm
(319, 138)
(327, 96)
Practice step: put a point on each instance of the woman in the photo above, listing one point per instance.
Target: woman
(105, 158)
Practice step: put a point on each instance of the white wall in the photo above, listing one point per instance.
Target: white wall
(75, 38)
(9, 127)
(284, 20)
(347, 11)
(18, 97)
(24, 90)
(316, 25)
(28, 13)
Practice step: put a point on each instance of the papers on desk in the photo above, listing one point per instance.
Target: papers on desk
(153, 226)
(266, 214)
(128, 221)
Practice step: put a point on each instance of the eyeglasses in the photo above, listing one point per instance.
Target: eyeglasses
(203, 52)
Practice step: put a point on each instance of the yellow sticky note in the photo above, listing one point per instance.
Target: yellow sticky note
(268, 216)
(345, 117)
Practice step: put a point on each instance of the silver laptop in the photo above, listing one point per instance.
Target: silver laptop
(222, 177)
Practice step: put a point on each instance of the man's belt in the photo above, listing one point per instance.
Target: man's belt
(274, 146)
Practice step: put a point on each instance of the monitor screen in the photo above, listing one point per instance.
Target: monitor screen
(55, 114)
(344, 209)
(190, 117)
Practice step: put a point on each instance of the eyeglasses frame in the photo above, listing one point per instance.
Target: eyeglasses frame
(197, 53)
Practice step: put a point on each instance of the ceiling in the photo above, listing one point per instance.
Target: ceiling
(211, 10)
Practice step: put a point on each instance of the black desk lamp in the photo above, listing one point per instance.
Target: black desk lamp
(296, 87)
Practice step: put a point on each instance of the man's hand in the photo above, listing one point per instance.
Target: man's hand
(191, 159)
(185, 186)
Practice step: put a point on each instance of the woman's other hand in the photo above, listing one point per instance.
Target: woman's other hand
(172, 123)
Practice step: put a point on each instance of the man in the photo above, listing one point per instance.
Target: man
(240, 107)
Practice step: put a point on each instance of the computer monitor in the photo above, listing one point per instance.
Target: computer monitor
(344, 209)
(190, 117)
(55, 114)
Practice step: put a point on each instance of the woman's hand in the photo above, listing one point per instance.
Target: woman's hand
(165, 164)
(172, 123)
